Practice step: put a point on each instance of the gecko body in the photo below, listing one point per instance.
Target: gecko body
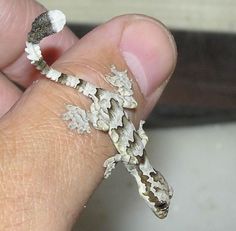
(106, 114)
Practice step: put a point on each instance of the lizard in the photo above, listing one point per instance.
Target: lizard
(107, 113)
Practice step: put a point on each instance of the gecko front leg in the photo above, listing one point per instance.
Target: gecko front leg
(78, 119)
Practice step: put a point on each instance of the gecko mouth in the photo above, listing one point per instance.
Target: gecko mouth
(161, 213)
(162, 210)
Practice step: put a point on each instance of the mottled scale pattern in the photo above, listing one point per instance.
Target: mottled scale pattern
(107, 113)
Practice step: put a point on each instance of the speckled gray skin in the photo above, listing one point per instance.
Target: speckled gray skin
(106, 114)
(41, 28)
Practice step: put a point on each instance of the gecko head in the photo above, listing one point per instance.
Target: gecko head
(162, 202)
(157, 193)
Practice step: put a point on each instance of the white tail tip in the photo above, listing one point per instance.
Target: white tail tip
(58, 20)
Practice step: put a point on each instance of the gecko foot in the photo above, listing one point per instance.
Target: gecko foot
(111, 162)
(78, 119)
(142, 133)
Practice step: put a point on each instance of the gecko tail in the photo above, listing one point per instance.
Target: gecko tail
(47, 23)
(57, 19)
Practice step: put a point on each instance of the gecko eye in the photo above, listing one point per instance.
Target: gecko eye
(163, 206)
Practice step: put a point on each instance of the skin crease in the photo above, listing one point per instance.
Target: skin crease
(44, 167)
(9, 94)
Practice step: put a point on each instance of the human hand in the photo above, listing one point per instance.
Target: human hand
(48, 172)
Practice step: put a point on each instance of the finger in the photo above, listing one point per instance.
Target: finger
(15, 19)
(66, 166)
(9, 94)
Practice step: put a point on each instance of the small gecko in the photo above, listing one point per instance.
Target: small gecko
(107, 113)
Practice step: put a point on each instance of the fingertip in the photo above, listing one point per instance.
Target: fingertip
(150, 52)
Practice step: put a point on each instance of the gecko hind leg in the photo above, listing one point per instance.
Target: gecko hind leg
(78, 119)
(142, 133)
(111, 162)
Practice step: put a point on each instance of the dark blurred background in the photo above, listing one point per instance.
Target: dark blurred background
(203, 88)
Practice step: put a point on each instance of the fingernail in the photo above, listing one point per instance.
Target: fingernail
(149, 51)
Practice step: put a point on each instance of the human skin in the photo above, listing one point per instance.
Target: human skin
(47, 172)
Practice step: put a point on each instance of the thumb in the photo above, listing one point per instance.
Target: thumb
(57, 170)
